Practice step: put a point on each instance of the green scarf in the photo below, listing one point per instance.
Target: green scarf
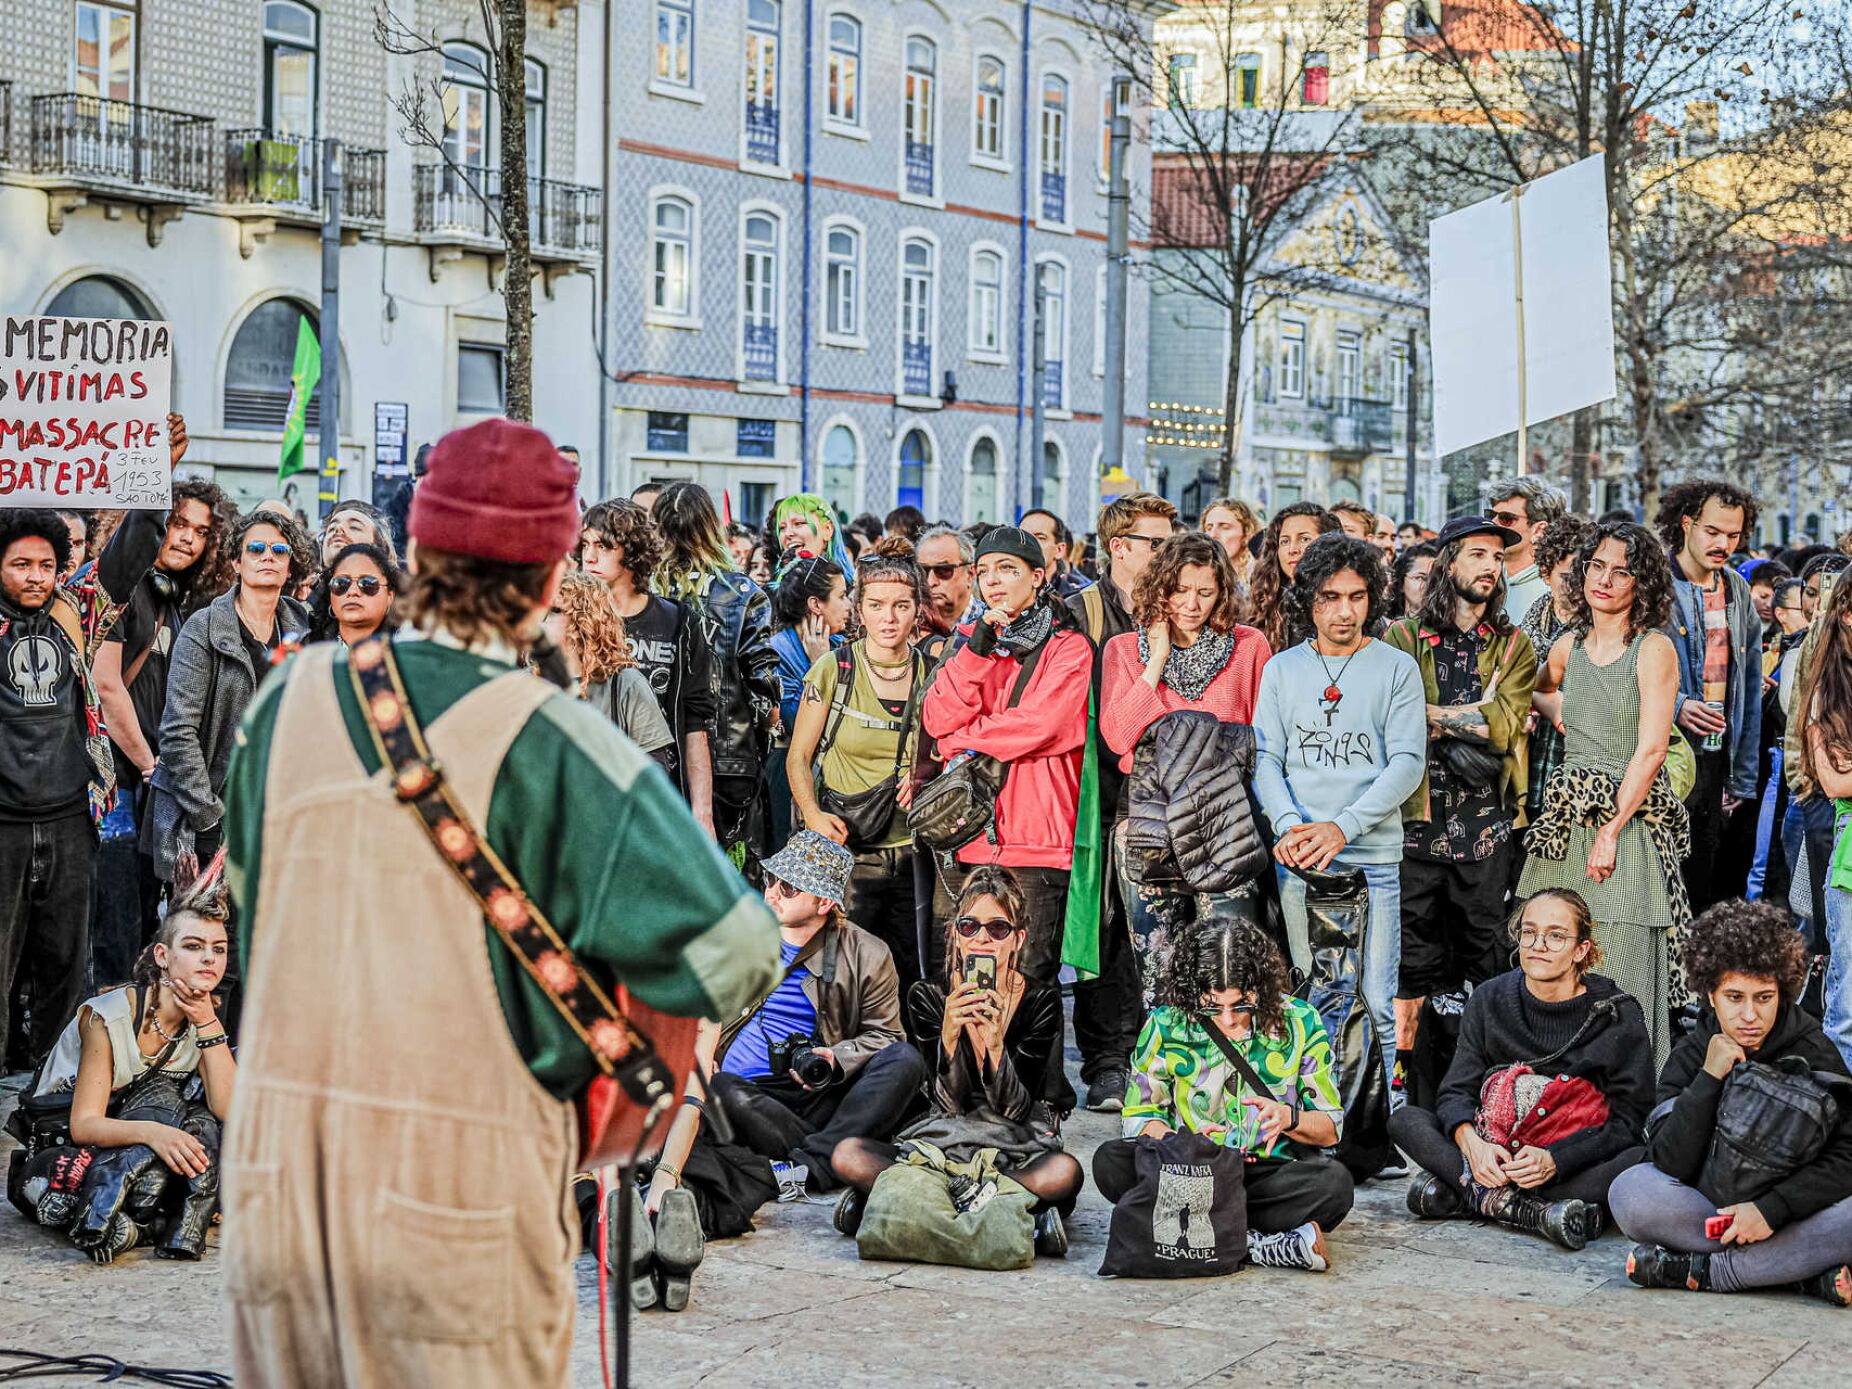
(1080, 940)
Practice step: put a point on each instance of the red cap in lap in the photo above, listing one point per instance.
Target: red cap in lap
(498, 490)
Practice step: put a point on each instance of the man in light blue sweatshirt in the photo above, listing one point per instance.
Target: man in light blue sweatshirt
(1342, 727)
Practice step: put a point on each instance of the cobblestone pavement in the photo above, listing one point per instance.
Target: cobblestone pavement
(1406, 1304)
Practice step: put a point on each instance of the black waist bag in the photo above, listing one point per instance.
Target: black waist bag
(960, 803)
(1771, 1122)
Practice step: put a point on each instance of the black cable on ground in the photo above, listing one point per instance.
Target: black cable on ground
(101, 1369)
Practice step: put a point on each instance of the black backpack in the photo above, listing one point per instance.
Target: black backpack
(1772, 1120)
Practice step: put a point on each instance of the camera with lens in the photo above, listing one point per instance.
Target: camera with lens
(797, 1054)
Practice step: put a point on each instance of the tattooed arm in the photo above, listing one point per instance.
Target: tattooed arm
(1459, 721)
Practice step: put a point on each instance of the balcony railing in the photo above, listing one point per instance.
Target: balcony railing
(761, 351)
(1054, 197)
(285, 172)
(6, 121)
(562, 218)
(1051, 385)
(919, 168)
(97, 140)
(916, 368)
(1361, 426)
(761, 132)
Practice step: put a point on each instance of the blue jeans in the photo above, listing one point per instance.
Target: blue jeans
(1767, 839)
(1838, 1020)
(1382, 946)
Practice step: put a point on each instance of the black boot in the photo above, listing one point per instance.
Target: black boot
(1432, 1199)
(848, 1217)
(1567, 1224)
(1833, 1287)
(185, 1235)
(1654, 1266)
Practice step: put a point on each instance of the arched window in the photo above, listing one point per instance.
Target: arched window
(985, 337)
(759, 297)
(916, 317)
(842, 282)
(915, 455)
(981, 481)
(1054, 148)
(97, 296)
(840, 460)
(1054, 487)
(845, 70)
(763, 18)
(917, 110)
(292, 44)
(1054, 344)
(257, 374)
(987, 113)
(672, 244)
(466, 106)
(536, 119)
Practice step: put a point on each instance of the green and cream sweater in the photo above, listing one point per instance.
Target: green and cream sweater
(592, 829)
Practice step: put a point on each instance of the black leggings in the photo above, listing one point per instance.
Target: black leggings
(1417, 1132)
(1054, 1179)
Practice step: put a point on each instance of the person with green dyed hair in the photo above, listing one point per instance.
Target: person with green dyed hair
(808, 522)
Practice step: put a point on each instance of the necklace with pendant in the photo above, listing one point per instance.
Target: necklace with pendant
(1332, 695)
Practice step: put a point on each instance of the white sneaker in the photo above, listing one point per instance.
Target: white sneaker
(791, 1180)
(1301, 1248)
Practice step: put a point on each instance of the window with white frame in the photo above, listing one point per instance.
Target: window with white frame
(762, 26)
(759, 297)
(841, 455)
(1054, 341)
(536, 119)
(1053, 148)
(1398, 375)
(987, 119)
(104, 45)
(842, 282)
(675, 38)
(986, 314)
(917, 114)
(1350, 367)
(844, 74)
(466, 90)
(1292, 360)
(1182, 80)
(291, 47)
(981, 480)
(917, 295)
(672, 256)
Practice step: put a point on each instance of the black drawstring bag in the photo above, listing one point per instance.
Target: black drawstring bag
(1337, 910)
(1186, 1215)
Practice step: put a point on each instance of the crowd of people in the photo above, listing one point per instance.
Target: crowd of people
(1576, 787)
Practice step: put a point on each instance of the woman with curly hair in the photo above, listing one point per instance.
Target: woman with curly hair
(356, 601)
(1283, 542)
(585, 625)
(1545, 620)
(1408, 579)
(1824, 693)
(620, 545)
(1186, 651)
(1227, 976)
(1611, 827)
(1787, 1228)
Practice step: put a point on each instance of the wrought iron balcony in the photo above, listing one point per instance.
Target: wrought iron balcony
(1051, 385)
(762, 132)
(562, 218)
(916, 367)
(121, 146)
(1054, 197)
(761, 351)
(1360, 427)
(919, 168)
(283, 174)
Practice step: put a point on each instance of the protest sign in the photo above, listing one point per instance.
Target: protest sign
(83, 412)
(1521, 308)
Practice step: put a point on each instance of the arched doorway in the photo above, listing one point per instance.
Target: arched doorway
(259, 368)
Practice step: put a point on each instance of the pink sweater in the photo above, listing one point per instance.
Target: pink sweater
(1128, 706)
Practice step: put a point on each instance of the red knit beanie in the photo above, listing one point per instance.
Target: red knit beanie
(497, 490)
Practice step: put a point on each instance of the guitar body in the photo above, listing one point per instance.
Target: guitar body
(613, 1128)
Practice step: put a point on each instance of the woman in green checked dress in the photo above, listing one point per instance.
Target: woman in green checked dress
(1228, 976)
(1612, 827)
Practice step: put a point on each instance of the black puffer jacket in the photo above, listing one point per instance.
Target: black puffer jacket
(1190, 814)
(736, 619)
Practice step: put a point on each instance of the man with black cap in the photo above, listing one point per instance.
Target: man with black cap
(1016, 688)
(1458, 841)
(415, 1024)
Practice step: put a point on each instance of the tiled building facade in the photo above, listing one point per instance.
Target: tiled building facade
(163, 162)
(880, 165)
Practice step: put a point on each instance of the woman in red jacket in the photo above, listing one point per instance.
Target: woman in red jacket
(1186, 652)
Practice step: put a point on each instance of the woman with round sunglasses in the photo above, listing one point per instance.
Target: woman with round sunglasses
(986, 1045)
(220, 660)
(356, 601)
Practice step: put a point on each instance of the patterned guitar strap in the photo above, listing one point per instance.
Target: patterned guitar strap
(619, 1049)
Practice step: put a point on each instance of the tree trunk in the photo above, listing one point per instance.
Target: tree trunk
(518, 272)
(1581, 455)
(1231, 403)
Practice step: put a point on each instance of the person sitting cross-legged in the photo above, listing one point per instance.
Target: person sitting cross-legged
(1585, 1043)
(822, 1057)
(987, 1043)
(1228, 975)
(1747, 962)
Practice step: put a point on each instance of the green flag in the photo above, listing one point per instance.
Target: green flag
(303, 378)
